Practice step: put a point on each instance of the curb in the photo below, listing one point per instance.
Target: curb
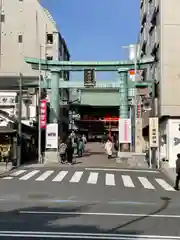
(171, 178)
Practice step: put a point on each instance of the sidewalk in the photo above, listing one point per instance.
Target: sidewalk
(5, 167)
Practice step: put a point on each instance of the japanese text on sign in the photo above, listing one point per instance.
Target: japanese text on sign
(43, 113)
(153, 132)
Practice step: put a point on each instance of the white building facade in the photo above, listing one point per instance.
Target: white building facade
(26, 30)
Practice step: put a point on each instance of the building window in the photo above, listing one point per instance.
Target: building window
(2, 18)
(49, 38)
(20, 38)
(49, 58)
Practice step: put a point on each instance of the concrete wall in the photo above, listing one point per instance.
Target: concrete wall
(96, 97)
(170, 58)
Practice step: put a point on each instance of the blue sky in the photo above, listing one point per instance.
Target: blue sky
(95, 30)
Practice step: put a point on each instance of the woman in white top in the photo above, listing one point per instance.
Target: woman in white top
(108, 148)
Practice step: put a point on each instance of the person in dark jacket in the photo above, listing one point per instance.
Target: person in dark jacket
(69, 151)
(178, 172)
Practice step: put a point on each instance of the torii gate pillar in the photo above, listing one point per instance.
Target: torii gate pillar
(54, 99)
(123, 106)
(52, 155)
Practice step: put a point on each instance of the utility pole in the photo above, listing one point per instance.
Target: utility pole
(19, 121)
(39, 107)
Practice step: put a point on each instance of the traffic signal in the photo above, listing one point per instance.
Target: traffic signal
(89, 77)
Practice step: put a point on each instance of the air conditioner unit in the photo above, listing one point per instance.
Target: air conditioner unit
(31, 91)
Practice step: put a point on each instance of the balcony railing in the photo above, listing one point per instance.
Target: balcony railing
(155, 39)
(143, 41)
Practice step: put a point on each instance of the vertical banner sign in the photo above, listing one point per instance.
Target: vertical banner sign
(153, 132)
(138, 135)
(52, 136)
(138, 110)
(124, 130)
(43, 113)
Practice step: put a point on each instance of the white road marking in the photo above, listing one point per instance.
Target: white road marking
(112, 214)
(44, 176)
(15, 174)
(61, 175)
(146, 183)
(29, 175)
(79, 235)
(76, 177)
(127, 181)
(93, 177)
(8, 178)
(110, 180)
(122, 170)
(164, 184)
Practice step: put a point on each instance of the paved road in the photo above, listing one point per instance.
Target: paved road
(88, 203)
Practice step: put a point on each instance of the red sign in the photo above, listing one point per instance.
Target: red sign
(138, 110)
(95, 118)
(43, 113)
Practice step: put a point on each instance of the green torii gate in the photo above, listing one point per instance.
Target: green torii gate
(56, 83)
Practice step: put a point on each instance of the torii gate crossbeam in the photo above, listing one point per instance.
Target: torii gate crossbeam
(56, 67)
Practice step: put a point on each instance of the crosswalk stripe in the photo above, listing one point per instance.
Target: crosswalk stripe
(127, 181)
(61, 175)
(44, 176)
(29, 175)
(93, 177)
(164, 184)
(110, 180)
(146, 183)
(15, 174)
(76, 177)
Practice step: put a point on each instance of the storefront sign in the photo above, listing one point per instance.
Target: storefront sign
(125, 130)
(153, 132)
(43, 113)
(52, 136)
(7, 100)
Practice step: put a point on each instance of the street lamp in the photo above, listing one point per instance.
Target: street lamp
(19, 121)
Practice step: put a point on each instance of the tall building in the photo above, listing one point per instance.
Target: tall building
(160, 37)
(26, 30)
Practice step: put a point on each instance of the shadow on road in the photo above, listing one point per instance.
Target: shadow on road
(165, 204)
(59, 220)
(51, 220)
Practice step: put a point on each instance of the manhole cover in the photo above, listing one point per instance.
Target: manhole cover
(38, 196)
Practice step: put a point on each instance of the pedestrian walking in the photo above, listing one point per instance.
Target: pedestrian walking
(62, 151)
(69, 151)
(178, 172)
(80, 147)
(109, 147)
(84, 139)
